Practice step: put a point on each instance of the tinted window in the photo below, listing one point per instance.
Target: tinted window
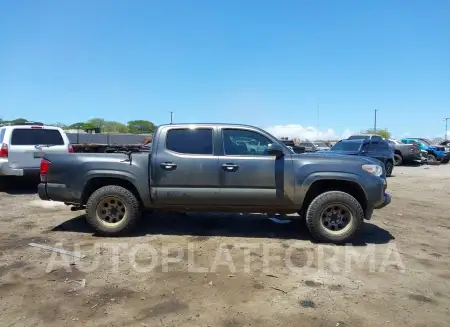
(359, 137)
(242, 142)
(289, 143)
(384, 146)
(346, 146)
(29, 136)
(191, 141)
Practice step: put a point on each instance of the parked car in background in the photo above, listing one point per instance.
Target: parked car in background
(374, 137)
(309, 146)
(320, 146)
(291, 145)
(379, 150)
(405, 152)
(446, 144)
(200, 167)
(23, 146)
(435, 152)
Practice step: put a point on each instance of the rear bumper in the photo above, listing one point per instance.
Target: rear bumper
(413, 157)
(57, 192)
(6, 170)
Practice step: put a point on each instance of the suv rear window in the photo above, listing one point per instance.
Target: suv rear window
(28, 136)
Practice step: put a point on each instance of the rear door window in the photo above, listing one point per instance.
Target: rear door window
(190, 141)
(29, 136)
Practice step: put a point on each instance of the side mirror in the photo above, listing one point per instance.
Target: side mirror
(275, 150)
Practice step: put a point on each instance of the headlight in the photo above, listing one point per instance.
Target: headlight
(373, 169)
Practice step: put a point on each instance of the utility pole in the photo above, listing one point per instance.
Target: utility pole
(446, 120)
(171, 117)
(318, 119)
(375, 122)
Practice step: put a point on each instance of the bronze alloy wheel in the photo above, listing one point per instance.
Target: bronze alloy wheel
(336, 218)
(111, 211)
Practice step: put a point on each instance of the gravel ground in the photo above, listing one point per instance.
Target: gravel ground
(230, 270)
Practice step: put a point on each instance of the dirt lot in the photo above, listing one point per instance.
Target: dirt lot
(224, 270)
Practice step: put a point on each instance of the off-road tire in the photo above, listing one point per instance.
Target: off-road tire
(133, 211)
(398, 160)
(313, 217)
(431, 158)
(389, 166)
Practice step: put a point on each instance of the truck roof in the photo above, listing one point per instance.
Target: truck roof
(210, 124)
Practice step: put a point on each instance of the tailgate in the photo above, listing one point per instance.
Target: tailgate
(24, 156)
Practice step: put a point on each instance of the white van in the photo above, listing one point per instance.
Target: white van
(22, 147)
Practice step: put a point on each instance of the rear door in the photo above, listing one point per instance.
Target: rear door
(28, 144)
(185, 168)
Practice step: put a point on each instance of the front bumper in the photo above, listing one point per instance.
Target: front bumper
(387, 200)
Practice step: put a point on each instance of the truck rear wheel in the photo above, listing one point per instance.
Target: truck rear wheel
(334, 217)
(398, 159)
(112, 210)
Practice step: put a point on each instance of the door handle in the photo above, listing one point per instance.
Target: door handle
(230, 167)
(168, 165)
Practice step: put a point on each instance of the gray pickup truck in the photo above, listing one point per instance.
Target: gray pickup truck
(205, 167)
(405, 152)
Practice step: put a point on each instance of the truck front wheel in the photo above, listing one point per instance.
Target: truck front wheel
(112, 210)
(334, 217)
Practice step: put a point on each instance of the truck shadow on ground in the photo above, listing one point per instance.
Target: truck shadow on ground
(204, 226)
(19, 185)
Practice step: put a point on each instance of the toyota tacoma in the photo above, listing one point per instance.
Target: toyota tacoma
(205, 167)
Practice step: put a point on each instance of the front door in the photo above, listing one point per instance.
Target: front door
(249, 175)
(184, 169)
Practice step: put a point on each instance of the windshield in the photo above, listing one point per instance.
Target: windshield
(426, 141)
(346, 146)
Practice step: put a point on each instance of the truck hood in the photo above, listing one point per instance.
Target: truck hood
(334, 152)
(337, 157)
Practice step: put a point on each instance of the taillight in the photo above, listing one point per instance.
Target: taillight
(45, 165)
(70, 148)
(4, 151)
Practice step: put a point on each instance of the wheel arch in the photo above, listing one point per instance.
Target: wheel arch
(96, 182)
(349, 186)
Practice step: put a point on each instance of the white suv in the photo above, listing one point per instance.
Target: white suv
(22, 147)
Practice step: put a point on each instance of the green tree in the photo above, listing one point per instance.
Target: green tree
(115, 127)
(60, 125)
(19, 121)
(141, 127)
(382, 132)
(81, 126)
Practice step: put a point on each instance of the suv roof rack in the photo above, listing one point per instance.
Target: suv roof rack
(26, 123)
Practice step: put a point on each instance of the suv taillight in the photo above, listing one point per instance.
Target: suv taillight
(70, 148)
(45, 165)
(4, 151)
